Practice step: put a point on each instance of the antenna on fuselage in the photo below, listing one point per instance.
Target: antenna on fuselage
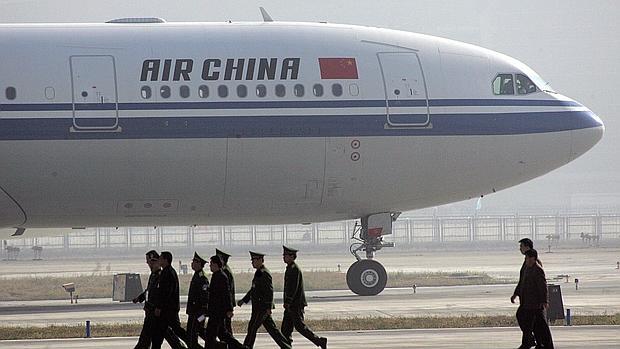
(266, 16)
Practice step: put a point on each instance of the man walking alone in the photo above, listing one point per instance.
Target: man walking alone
(527, 338)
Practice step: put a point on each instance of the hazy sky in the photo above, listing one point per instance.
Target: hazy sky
(573, 44)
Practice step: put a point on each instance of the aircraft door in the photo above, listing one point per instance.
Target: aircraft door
(405, 89)
(94, 93)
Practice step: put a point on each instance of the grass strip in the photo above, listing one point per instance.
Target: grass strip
(345, 324)
(100, 286)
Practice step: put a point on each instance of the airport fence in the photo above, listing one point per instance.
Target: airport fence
(406, 231)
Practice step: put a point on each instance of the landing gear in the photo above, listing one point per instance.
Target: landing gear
(367, 277)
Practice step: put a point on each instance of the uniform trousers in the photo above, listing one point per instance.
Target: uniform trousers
(536, 320)
(169, 328)
(260, 318)
(194, 329)
(216, 327)
(527, 338)
(294, 318)
(149, 327)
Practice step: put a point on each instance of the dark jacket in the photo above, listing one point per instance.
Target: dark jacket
(261, 293)
(167, 298)
(534, 288)
(198, 295)
(294, 294)
(150, 292)
(219, 295)
(231, 282)
(521, 272)
(520, 283)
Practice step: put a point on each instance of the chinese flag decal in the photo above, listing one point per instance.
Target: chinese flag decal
(338, 68)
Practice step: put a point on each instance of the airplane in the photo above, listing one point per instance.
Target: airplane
(142, 122)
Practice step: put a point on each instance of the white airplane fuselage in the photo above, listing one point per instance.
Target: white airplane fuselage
(263, 123)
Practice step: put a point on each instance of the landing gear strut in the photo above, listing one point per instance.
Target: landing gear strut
(367, 277)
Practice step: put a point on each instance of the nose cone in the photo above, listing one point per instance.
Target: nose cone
(584, 139)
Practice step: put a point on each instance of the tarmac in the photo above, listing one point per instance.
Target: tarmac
(597, 298)
(594, 267)
(591, 337)
(599, 282)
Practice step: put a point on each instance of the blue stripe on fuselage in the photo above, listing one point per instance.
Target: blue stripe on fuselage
(25, 128)
(228, 105)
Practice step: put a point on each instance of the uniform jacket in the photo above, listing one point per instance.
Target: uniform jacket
(167, 298)
(231, 282)
(198, 295)
(261, 293)
(219, 295)
(294, 294)
(150, 292)
(534, 288)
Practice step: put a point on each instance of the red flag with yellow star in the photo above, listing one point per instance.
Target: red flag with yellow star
(338, 68)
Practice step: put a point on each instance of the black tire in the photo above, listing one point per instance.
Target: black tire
(366, 277)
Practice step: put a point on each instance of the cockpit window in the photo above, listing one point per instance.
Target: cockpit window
(524, 85)
(503, 85)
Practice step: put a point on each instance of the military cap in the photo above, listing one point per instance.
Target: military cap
(222, 254)
(531, 253)
(288, 250)
(217, 260)
(256, 255)
(198, 258)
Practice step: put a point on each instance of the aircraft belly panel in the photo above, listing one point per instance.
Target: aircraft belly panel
(343, 174)
(273, 175)
(414, 172)
(107, 181)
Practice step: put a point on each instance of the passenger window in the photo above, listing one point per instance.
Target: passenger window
(503, 85)
(337, 90)
(164, 91)
(317, 90)
(146, 92)
(184, 91)
(354, 90)
(203, 91)
(298, 90)
(11, 93)
(280, 90)
(222, 91)
(242, 91)
(50, 93)
(524, 85)
(261, 90)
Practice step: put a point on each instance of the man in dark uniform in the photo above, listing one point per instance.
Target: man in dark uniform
(295, 301)
(150, 325)
(167, 306)
(231, 280)
(527, 338)
(534, 300)
(261, 295)
(220, 307)
(197, 302)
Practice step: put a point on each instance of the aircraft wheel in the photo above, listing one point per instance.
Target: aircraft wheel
(366, 277)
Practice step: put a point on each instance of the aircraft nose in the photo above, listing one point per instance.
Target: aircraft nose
(584, 139)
